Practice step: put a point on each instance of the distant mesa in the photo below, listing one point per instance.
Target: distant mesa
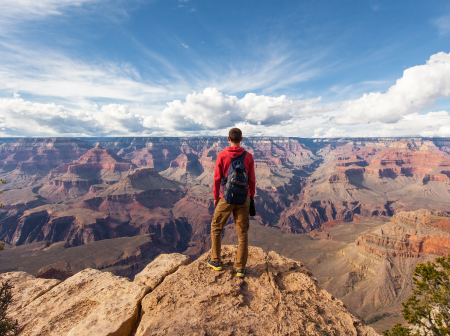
(60, 271)
(97, 166)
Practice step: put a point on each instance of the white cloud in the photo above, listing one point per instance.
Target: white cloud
(212, 109)
(418, 89)
(20, 117)
(398, 112)
(431, 124)
(185, 45)
(208, 112)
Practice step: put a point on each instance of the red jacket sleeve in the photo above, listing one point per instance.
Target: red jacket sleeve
(218, 177)
(251, 177)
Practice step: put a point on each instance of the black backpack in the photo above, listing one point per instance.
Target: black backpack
(235, 184)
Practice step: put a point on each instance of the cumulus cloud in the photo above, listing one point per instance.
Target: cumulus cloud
(20, 117)
(212, 109)
(418, 89)
(208, 112)
(431, 124)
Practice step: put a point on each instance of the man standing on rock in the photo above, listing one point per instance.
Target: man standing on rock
(235, 171)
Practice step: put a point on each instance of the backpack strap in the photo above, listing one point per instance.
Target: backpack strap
(239, 158)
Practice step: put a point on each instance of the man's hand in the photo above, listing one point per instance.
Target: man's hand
(216, 202)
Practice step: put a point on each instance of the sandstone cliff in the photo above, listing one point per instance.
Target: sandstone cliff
(277, 297)
(410, 234)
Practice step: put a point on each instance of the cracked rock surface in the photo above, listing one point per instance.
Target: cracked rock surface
(164, 264)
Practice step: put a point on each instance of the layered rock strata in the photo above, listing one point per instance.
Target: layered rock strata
(97, 166)
(409, 235)
(40, 154)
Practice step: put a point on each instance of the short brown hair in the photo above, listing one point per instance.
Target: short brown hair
(235, 135)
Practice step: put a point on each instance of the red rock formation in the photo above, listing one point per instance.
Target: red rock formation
(138, 204)
(338, 178)
(97, 166)
(410, 234)
(33, 155)
(401, 158)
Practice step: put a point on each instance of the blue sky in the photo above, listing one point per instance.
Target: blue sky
(199, 67)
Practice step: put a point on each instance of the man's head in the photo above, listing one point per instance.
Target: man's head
(235, 136)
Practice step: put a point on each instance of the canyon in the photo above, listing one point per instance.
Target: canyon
(360, 213)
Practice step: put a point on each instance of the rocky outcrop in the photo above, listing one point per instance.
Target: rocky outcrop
(185, 168)
(409, 235)
(278, 296)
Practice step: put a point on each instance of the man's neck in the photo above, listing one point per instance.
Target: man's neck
(235, 144)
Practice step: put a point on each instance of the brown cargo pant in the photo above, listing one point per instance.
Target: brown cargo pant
(241, 220)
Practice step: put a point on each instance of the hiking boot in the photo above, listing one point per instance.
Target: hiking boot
(216, 265)
(240, 273)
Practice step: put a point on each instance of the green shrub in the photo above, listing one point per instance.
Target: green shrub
(8, 327)
(428, 309)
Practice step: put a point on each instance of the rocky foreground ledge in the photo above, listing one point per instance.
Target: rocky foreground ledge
(173, 296)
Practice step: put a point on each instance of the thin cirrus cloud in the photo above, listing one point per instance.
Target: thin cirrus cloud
(16, 11)
(443, 24)
(418, 89)
(51, 74)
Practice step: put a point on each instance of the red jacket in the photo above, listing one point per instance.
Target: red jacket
(223, 164)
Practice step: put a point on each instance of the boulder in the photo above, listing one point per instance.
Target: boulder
(89, 303)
